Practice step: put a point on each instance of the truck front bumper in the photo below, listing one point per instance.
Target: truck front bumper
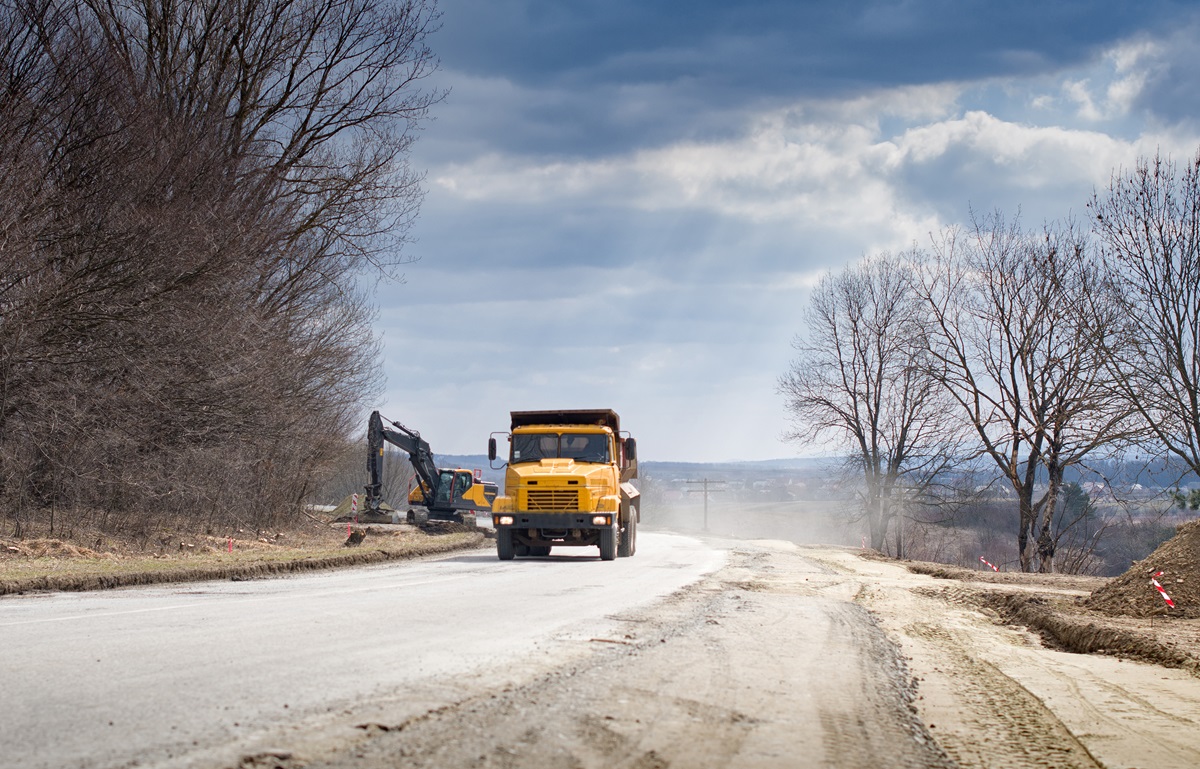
(554, 529)
(555, 521)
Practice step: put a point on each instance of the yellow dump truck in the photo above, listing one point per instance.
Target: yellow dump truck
(566, 484)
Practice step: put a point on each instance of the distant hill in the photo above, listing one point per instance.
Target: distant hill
(657, 469)
(1164, 475)
(791, 463)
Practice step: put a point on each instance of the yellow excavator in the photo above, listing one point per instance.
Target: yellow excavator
(445, 494)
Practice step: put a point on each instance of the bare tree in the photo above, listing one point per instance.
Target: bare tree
(859, 381)
(1148, 223)
(1017, 334)
(195, 188)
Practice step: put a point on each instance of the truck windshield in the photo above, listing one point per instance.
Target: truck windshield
(580, 447)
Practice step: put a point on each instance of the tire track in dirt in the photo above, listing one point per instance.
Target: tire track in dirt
(998, 722)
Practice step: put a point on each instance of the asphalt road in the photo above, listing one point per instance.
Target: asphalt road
(174, 675)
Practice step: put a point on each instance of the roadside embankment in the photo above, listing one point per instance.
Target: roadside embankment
(47, 564)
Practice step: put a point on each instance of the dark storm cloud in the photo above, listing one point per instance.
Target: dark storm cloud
(815, 46)
(620, 73)
(1173, 91)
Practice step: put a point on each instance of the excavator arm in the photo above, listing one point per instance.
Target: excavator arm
(408, 441)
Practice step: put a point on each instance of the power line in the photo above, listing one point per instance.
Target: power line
(706, 482)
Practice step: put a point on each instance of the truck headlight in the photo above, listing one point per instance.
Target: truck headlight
(601, 520)
(505, 520)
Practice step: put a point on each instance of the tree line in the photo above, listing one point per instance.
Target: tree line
(1032, 350)
(194, 190)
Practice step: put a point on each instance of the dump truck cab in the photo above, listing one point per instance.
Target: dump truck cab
(566, 484)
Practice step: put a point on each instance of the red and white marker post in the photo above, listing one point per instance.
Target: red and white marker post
(981, 558)
(1159, 588)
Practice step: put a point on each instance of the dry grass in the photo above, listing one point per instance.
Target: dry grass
(48, 563)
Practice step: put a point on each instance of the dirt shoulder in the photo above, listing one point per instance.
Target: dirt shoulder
(95, 561)
(1001, 679)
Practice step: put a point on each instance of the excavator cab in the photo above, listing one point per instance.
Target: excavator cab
(452, 485)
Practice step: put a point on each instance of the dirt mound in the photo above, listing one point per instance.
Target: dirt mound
(1132, 594)
(1068, 629)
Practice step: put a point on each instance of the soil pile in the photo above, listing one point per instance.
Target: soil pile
(1132, 594)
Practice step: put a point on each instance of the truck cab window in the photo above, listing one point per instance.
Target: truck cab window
(531, 448)
(585, 448)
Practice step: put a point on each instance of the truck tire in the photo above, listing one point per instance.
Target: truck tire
(504, 545)
(608, 543)
(628, 544)
(541, 550)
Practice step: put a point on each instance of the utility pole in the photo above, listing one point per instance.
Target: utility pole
(706, 482)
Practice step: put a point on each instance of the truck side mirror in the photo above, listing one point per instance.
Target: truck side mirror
(491, 449)
(630, 450)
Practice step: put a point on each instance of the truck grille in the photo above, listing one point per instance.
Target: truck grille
(553, 500)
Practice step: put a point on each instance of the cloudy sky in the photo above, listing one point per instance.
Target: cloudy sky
(628, 201)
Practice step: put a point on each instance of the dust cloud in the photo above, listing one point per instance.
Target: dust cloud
(808, 522)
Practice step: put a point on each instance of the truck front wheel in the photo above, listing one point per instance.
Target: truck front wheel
(504, 545)
(608, 543)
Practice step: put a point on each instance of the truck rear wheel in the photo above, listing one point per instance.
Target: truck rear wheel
(628, 544)
(608, 543)
(504, 545)
(540, 550)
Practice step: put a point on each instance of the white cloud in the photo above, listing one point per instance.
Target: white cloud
(1108, 90)
(830, 165)
(1014, 153)
(1079, 93)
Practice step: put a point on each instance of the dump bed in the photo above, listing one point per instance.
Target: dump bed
(603, 417)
